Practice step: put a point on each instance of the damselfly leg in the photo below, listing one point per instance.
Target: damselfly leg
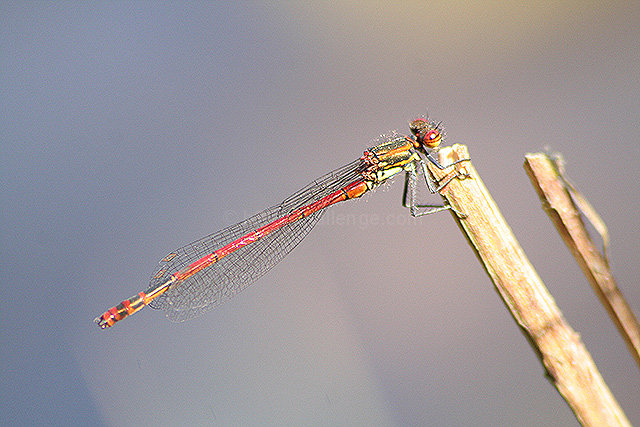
(410, 183)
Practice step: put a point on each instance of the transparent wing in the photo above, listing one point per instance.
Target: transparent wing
(234, 272)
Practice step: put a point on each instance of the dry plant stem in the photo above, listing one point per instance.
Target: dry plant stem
(559, 205)
(566, 361)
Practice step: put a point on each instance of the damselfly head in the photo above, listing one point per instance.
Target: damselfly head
(427, 133)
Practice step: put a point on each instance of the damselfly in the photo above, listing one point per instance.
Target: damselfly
(196, 277)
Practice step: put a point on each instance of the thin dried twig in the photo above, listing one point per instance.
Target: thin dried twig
(559, 204)
(563, 355)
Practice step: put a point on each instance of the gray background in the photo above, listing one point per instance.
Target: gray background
(130, 129)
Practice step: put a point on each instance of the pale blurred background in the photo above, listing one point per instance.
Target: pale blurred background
(130, 129)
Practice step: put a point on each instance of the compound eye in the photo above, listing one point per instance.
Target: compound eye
(432, 138)
(417, 126)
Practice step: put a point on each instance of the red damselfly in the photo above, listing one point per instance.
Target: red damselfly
(196, 277)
